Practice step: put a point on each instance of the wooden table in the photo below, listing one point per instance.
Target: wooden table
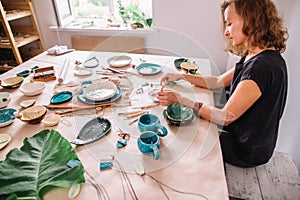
(190, 164)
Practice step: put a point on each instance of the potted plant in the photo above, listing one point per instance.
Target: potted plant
(133, 15)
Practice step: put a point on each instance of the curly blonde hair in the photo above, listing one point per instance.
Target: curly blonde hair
(262, 25)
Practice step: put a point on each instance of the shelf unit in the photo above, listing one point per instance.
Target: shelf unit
(12, 14)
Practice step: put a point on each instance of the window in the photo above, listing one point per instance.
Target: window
(102, 13)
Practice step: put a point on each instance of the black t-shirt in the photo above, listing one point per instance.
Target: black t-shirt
(255, 132)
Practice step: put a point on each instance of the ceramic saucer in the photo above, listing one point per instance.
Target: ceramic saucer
(33, 115)
(148, 68)
(4, 140)
(119, 61)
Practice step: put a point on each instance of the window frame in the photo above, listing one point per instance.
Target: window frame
(59, 15)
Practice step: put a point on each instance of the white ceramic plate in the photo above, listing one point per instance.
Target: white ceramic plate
(4, 99)
(119, 61)
(148, 68)
(82, 71)
(4, 140)
(32, 89)
(100, 91)
(153, 94)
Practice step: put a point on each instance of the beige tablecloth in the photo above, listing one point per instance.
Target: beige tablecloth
(190, 164)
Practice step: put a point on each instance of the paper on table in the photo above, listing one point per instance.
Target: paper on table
(63, 71)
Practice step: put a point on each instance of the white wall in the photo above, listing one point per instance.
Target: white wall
(192, 28)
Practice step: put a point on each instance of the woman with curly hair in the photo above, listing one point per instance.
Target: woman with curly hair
(258, 83)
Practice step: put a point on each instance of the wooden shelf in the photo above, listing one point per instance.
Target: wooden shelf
(17, 15)
(20, 43)
(14, 11)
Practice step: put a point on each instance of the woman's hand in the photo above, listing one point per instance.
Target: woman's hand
(170, 77)
(168, 97)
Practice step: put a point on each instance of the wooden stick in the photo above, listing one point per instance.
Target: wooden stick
(82, 108)
(74, 107)
(136, 114)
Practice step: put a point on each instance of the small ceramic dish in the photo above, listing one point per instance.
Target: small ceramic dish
(91, 62)
(100, 91)
(5, 98)
(119, 61)
(153, 94)
(178, 62)
(177, 114)
(33, 115)
(12, 82)
(189, 67)
(24, 73)
(7, 116)
(4, 140)
(51, 119)
(27, 103)
(148, 68)
(32, 89)
(93, 130)
(80, 71)
(61, 97)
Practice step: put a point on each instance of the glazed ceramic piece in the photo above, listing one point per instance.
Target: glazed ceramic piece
(91, 62)
(100, 91)
(61, 97)
(27, 103)
(119, 61)
(179, 112)
(24, 73)
(148, 68)
(51, 120)
(189, 67)
(82, 98)
(93, 130)
(12, 82)
(32, 89)
(178, 62)
(4, 140)
(80, 71)
(7, 116)
(85, 84)
(5, 98)
(178, 115)
(33, 115)
(153, 94)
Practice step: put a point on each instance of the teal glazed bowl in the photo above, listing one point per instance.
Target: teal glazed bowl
(177, 114)
(178, 62)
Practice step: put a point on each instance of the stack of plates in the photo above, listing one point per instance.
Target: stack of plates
(177, 114)
(98, 93)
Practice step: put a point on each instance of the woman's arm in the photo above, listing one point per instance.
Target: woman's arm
(208, 82)
(245, 95)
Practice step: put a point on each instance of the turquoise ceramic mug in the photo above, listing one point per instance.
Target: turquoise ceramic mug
(150, 122)
(149, 144)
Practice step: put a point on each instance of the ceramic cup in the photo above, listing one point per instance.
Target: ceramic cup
(150, 122)
(149, 144)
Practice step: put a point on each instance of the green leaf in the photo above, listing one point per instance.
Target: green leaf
(38, 167)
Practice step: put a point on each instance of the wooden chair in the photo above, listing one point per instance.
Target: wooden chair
(110, 44)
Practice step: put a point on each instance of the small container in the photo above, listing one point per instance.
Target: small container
(32, 89)
(189, 68)
(5, 98)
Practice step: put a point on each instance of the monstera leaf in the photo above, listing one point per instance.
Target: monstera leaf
(39, 166)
